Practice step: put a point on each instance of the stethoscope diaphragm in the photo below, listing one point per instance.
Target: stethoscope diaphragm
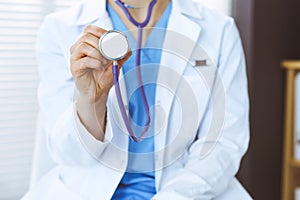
(114, 45)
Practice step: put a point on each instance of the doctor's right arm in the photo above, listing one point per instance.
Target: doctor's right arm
(93, 78)
(56, 92)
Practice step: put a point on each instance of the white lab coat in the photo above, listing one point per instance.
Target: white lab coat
(89, 169)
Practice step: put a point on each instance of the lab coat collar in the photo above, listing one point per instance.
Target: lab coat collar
(94, 9)
(90, 11)
(188, 8)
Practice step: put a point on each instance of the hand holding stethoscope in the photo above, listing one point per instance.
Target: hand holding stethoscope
(93, 77)
(91, 70)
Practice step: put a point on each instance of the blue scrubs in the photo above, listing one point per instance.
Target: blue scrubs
(139, 180)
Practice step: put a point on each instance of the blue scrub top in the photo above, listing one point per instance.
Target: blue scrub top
(139, 180)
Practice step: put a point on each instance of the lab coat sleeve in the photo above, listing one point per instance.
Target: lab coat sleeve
(207, 177)
(69, 143)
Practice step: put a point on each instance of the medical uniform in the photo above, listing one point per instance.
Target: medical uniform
(197, 151)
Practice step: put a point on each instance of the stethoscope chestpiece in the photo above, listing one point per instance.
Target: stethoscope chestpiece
(114, 45)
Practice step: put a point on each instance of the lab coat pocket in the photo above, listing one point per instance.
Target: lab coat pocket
(51, 187)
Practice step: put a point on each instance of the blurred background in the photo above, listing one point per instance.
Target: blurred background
(270, 30)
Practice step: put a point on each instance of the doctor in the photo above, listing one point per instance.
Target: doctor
(194, 81)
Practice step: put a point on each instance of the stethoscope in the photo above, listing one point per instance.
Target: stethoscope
(107, 46)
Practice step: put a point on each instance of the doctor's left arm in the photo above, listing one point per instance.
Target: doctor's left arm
(66, 136)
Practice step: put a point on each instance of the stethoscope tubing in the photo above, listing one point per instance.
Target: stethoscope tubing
(115, 70)
(131, 19)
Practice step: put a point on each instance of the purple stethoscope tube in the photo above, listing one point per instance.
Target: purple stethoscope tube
(115, 70)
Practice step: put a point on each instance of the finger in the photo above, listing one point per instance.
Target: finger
(86, 63)
(94, 30)
(86, 38)
(90, 30)
(85, 49)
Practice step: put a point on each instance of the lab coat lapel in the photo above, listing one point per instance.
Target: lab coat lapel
(180, 39)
